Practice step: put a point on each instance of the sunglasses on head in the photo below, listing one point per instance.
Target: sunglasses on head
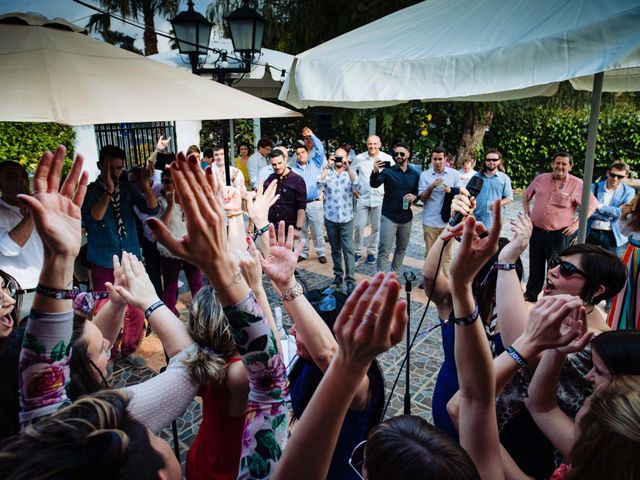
(400, 154)
(356, 460)
(615, 175)
(566, 268)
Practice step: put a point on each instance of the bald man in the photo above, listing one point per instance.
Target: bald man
(369, 202)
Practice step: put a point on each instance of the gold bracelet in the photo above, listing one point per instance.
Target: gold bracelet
(237, 278)
(234, 214)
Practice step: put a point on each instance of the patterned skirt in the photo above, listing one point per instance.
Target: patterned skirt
(625, 309)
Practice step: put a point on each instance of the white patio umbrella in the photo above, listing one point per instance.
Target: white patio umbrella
(55, 75)
(486, 50)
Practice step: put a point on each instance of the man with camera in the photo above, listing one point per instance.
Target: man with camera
(369, 203)
(339, 184)
(435, 184)
(401, 187)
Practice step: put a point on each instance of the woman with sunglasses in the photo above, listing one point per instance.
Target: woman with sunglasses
(587, 271)
(172, 215)
(625, 309)
(9, 304)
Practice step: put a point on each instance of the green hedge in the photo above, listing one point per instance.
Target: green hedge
(25, 142)
(528, 137)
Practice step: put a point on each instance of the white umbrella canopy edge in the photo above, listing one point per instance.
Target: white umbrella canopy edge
(406, 56)
(48, 75)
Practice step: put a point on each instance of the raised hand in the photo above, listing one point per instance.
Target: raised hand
(163, 143)
(280, 265)
(558, 321)
(461, 203)
(250, 265)
(55, 210)
(372, 320)
(120, 280)
(474, 250)
(521, 228)
(139, 291)
(205, 242)
(259, 203)
(105, 175)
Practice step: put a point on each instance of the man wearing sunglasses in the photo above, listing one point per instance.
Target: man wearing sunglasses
(496, 186)
(401, 190)
(558, 196)
(611, 193)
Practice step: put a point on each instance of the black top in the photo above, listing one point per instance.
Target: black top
(293, 197)
(396, 185)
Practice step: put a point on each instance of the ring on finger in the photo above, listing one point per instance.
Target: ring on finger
(370, 316)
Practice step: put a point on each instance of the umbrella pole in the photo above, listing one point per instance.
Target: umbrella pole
(596, 97)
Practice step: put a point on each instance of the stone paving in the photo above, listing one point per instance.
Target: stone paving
(426, 355)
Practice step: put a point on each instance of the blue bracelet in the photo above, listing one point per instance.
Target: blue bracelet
(152, 308)
(520, 360)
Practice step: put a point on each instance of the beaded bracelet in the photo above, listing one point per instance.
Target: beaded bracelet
(152, 308)
(58, 294)
(520, 360)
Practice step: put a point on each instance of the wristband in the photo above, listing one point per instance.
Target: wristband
(468, 320)
(505, 266)
(520, 360)
(260, 231)
(152, 308)
(56, 293)
(292, 293)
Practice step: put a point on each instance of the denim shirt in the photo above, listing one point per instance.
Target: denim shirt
(103, 240)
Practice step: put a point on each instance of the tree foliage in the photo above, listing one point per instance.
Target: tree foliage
(25, 142)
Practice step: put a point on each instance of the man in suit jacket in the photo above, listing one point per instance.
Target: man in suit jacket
(611, 193)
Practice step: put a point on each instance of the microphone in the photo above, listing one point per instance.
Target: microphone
(474, 186)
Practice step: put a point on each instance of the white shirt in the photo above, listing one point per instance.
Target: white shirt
(363, 166)
(22, 263)
(465, 177)
(606, 200)
(254, 164)
(431, 216)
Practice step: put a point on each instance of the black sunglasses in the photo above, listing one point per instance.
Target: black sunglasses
(566, 268)
(619, 177)
(491, 159)
(400, 154)
(356, 460)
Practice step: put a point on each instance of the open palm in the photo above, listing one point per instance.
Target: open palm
(280, 265)
(57, 212)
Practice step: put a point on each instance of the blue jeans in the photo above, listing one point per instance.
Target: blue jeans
(341, 241)
(390, 232)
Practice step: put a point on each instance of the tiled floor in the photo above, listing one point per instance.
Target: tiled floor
(426, 355)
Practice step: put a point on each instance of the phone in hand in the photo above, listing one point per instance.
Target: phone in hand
(386, 164)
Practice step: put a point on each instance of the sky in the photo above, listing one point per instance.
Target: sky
(78, 14)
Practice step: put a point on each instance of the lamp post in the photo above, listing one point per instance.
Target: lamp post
(193, 31)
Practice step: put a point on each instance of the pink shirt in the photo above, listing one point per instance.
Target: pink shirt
(555, 206)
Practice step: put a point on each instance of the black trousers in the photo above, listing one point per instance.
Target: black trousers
(543, 244)
(604, 238)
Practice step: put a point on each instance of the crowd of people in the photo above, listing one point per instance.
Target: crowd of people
(530, 387)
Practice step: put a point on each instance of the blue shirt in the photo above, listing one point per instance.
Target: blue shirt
(396, 185)
(431, 213)
(103, 240)
(312, 170)
(338, 190)
(495, 187)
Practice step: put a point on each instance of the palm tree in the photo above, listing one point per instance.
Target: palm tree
(147, 9)
(101, 23)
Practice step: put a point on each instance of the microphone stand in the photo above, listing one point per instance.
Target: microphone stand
(409, 277)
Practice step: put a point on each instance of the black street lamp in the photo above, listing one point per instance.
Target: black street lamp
(193, 30)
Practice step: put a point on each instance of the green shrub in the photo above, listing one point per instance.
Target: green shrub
(25, 142)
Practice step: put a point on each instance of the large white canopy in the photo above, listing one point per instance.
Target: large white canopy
(52, 75)
(472, 50)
